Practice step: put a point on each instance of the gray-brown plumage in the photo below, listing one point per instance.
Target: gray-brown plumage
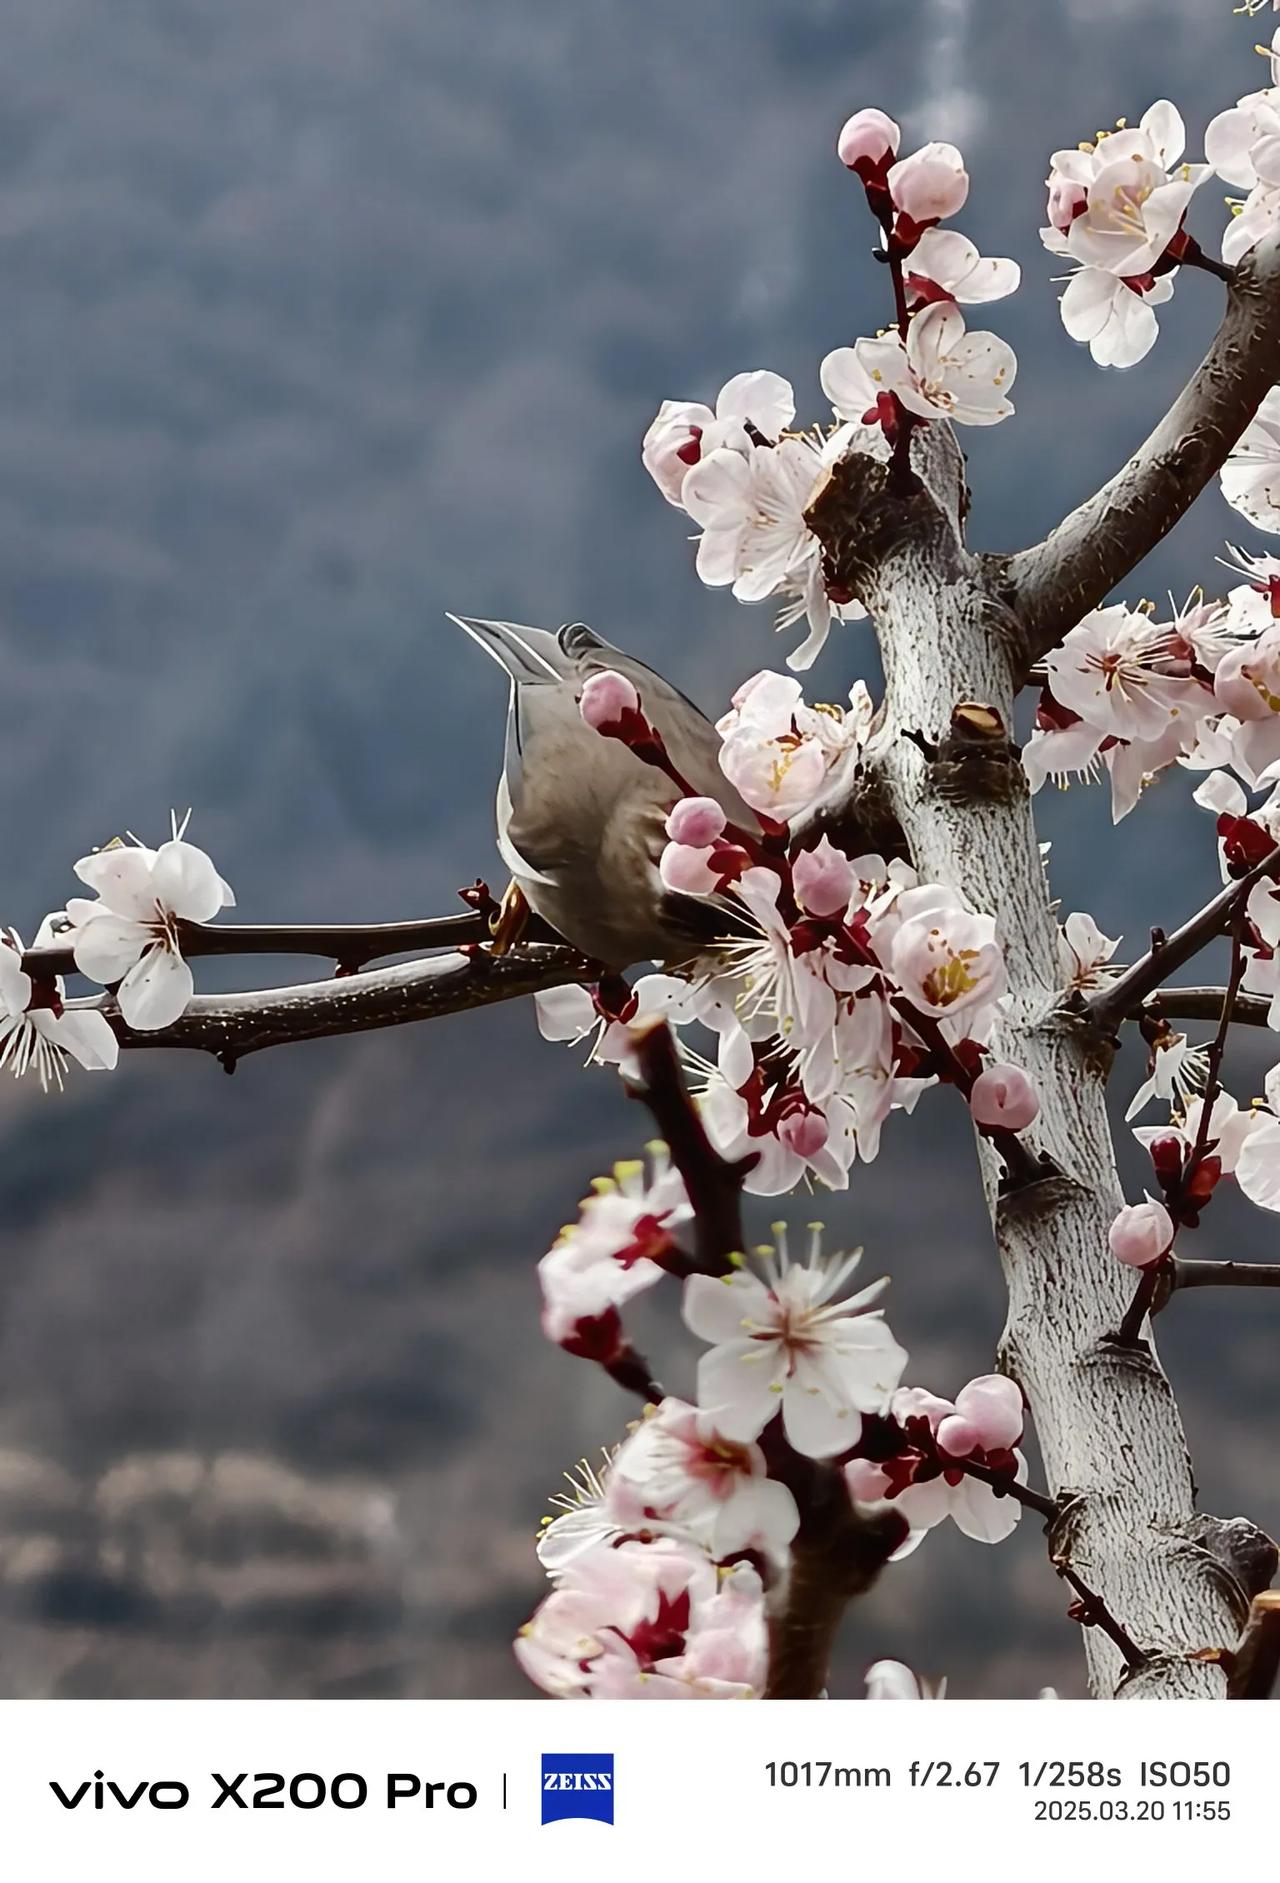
(580, 817)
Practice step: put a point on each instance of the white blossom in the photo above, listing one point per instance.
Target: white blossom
(945, 259)
(1251, 474)
(943, 371)
(38, 1032)
(130, 935)
(685, 432)
(1114, 315)
(1178, 1073)
(1084, 952)
(783, 1343)
(648, 1621)
(611, 1253)
(681, 1468)
(1118, 203)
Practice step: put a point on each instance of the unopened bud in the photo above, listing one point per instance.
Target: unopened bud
(1141, 1234)
(992, 1406)
(697, 822)
(606, 697)
(823, 879)
(867, 139)
(1003, 1098)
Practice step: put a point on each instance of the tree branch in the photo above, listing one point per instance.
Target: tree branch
(231, 1026)
(1126, 994)
(351, 944)
(714, 1185)
(1092, 1612)
(1205, 1003)
(1194, 1272)
(837, 1555)
(1051, 586)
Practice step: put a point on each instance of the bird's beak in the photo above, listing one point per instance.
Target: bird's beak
(515, 648)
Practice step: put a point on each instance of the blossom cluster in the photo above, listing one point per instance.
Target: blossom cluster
(128, 937)
(1131, 694)
(742, 471)
(666, 1562)
(848, 985)
(1243, 146)
(1117, 206)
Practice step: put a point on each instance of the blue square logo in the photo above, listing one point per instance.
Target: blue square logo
(577, 1785)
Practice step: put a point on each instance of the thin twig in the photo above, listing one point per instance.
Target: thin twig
(1039, 1501)
(1194, 1272)
(1145, 1296)
(1126, 994)
(714, 1185)
(1205, 1003)
(1217, 1052)
(1130, 1329)
(350, 943)
(1094, 1613)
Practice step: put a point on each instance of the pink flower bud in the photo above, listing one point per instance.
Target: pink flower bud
(865, 1482)
(804, 1132)
(1141, 1233)
(823, 879)
(929, 184)
(696, 821)
(606, 697)
(868, 138)
(1003, 1098)
(686, 871)
(991, 1406)
(957, 1437)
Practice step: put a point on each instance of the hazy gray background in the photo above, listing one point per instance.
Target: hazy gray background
(318, 317)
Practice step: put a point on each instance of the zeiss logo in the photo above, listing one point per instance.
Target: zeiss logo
(577, 1785)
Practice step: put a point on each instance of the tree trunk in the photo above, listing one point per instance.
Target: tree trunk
(1105, 1415)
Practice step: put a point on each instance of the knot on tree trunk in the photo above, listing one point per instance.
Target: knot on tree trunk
(1240, 1549)
(862, 514)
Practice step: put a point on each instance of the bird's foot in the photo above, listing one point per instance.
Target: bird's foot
(507, 927)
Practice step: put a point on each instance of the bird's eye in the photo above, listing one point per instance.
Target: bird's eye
(575, 637)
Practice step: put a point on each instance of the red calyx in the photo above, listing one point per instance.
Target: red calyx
(1244, 843)
(921, 292)
(1271, 589)
(1053, 717)
(664, 1636)
(597, 1337)
(886, 413)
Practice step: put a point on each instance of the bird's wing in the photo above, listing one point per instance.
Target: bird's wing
(690, 738)
(516, 862)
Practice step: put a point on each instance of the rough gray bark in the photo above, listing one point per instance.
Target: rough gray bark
(1105, 1416)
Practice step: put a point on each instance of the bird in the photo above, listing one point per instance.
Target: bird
(581, 818)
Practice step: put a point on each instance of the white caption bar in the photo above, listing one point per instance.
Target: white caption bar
(211, 1790)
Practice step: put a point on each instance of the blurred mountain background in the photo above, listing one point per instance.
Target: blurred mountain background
(319, 317)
